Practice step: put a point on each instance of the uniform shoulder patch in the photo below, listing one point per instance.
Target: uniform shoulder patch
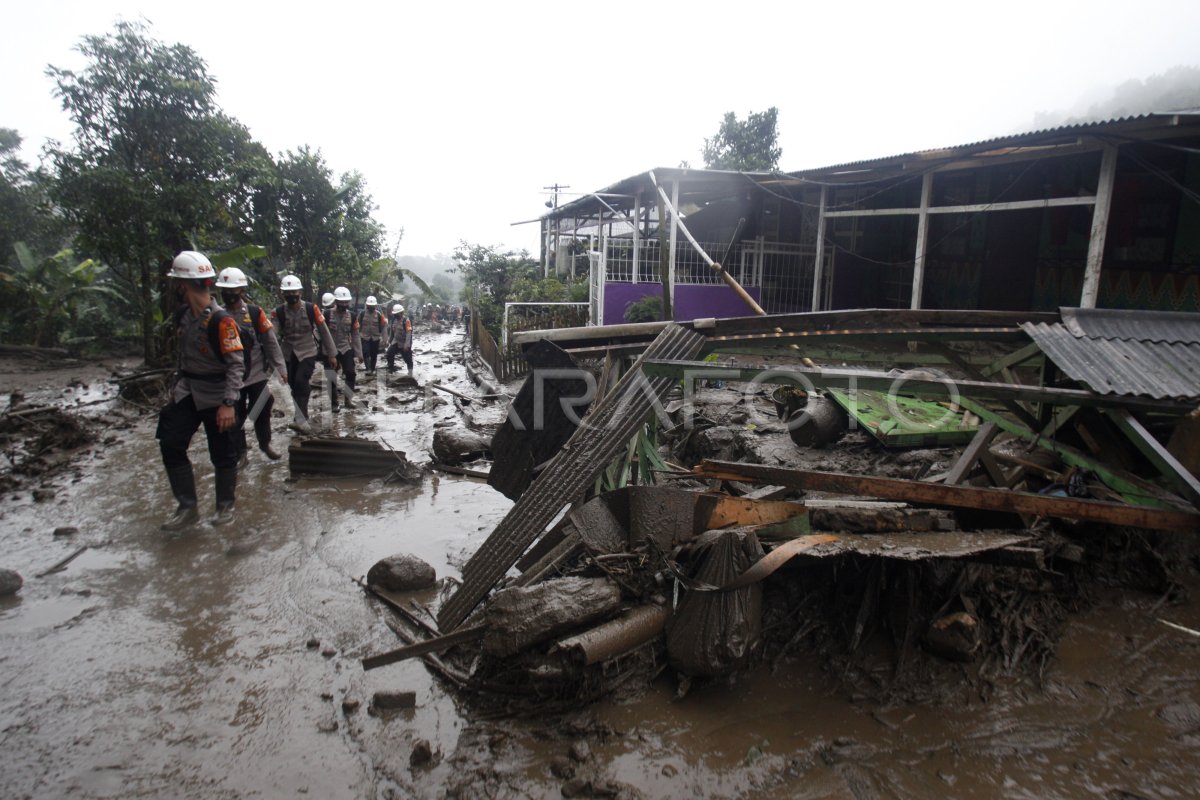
(231, 337)
(318, 317)
(264, 324)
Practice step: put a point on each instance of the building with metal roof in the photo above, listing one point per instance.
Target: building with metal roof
(1100, 214)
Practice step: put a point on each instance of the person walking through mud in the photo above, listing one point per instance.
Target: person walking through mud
(372, 328)
(343, 327)
(265, 355)
(399, 339)
(210, 369)
(300, 325)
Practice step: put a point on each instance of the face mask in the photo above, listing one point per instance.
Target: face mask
(292, 299)
(343, 305)
(229, 298)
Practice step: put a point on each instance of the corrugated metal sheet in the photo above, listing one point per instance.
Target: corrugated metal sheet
(1168, 327)
(1161, 360)
(1011, 140)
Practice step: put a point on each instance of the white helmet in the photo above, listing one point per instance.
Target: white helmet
(191, 265)
(341, 293)
(371, 301)
(326, 300)
(396, 309)
(290, 284)
(232, 278)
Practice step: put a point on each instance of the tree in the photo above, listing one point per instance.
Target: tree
(750, 146)
(26, 214)
(326, 232)
(153, 165)
(489, 279)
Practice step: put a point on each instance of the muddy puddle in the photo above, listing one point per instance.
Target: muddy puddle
(226, 663)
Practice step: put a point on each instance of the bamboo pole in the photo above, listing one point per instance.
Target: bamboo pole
(725, 276)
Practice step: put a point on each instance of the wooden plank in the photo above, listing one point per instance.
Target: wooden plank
(435, 645)
(1012, 359)
(1095, 256)
(918, 283)
(966, 461)
(1157, 454)
(967, 208)
(957, 496)
(1132, 488)
(821, 377)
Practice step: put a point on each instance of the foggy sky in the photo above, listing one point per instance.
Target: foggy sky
(457, 115)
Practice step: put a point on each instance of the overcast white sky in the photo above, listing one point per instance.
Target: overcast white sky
(459, 113)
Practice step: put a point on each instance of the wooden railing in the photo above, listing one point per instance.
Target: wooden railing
(505, 365)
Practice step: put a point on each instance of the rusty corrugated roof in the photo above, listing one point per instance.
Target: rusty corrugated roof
(1148, 353)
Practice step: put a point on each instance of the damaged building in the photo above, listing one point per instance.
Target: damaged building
(969, 390)
(1099, 214)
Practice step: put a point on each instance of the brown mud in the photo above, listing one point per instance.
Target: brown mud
(225, 663)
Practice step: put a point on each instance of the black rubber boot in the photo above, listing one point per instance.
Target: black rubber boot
(264, 444)
(226, 484)
(183, 486)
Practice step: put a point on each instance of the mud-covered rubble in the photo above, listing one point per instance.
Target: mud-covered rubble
(900, 596)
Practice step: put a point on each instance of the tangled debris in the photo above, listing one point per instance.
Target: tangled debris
(913, 560)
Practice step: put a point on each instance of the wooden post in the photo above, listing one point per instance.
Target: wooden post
(674, 238)
(664, 262)
(1091, 273)
(918, 282)
(637, 234)
(819, 264)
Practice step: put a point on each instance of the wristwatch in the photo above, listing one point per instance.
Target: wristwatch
(228, 402)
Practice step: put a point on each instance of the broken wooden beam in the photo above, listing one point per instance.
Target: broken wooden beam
(1157, 454)
(602, 434)
(422, 647)
(914, 385)
(957, 496)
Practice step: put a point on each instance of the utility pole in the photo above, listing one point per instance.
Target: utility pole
(556, 188)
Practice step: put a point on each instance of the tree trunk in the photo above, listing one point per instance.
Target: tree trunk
(149, 351)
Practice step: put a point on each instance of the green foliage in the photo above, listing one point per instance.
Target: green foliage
(151, 171)
(25, 211)
(749, 146)
(489, 278)
(155, 167)
(646, 309)
(325, 231)
(492, 278)
(49, 296)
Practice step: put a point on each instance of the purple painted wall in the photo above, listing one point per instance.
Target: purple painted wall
(691, 302)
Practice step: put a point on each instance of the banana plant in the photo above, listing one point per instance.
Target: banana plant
(50, 289)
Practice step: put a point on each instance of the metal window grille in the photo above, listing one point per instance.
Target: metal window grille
(520, 317)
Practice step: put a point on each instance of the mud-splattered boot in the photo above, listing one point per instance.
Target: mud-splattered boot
(226, 485)
(264, 444)
(183, 486)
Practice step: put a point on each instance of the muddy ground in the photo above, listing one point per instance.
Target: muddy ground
(225, 663)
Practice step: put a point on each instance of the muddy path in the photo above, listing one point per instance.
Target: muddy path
(220, 663)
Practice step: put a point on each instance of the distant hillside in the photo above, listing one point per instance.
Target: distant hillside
(1174, 90)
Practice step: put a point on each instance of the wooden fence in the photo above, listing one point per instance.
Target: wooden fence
(505, 364)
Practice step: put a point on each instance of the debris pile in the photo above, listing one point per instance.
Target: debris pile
(900, 523)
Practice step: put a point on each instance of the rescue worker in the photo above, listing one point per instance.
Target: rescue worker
(343, 327)
(265, 355)
(301, 324)
(372, 327)
(399, 339)
(210, 367)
